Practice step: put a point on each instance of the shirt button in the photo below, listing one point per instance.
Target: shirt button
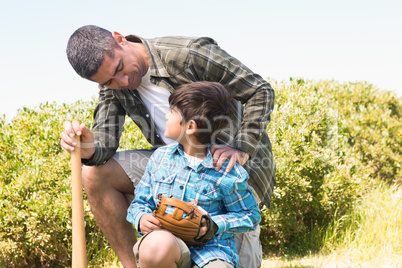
(204, 191)
(181, 187)
(147, 115)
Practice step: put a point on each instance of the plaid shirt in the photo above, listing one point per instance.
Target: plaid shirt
(227, 198)
(174, 61)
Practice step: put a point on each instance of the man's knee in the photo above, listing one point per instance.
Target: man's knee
(90, 175)
(249, 249)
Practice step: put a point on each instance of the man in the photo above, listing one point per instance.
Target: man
(136, 77)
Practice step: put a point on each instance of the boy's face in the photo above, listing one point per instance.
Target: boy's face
(174, 130)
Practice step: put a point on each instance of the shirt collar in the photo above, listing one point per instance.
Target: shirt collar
(207, 163)
(155, 62)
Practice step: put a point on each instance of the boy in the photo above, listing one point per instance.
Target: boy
(185, 171)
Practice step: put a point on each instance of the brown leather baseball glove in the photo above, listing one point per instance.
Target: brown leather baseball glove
(185, 222)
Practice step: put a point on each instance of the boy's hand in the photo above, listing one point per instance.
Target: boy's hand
(222, 152)
(203, 228)
(149, 223)
(68, 142)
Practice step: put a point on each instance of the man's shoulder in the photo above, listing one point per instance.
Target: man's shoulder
(179, 41)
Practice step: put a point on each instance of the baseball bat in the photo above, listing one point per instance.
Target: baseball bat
(78, 226)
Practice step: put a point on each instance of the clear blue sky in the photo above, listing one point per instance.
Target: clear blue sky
(345, 40)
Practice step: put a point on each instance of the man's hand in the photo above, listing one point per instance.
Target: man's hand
(222, 152)
(149, 223)
(68, 142)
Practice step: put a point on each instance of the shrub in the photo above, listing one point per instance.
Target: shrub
(332, 142)
(35, 195)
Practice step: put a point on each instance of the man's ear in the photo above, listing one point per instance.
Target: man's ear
(191, 127)
(119, 37)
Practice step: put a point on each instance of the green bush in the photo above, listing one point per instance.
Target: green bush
(332, 143)
(35, 195)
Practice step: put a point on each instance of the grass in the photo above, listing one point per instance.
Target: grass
(369, 236)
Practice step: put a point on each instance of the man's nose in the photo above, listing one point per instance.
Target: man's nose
(122, 79)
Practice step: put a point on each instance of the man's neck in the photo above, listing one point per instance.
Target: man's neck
(142, 52)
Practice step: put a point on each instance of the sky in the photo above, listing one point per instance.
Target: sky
(343, 40)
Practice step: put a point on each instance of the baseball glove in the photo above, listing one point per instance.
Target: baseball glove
(185, 222)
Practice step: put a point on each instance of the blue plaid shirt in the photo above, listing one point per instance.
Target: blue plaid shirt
(227, 198)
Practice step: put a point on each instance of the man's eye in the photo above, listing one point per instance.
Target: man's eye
(121, 67)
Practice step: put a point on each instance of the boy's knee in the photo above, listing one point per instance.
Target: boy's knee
(159, 247)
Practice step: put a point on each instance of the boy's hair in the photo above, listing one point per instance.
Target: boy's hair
(86, 49)
(207, 103)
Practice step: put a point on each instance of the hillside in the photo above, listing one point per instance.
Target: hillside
(334, 143)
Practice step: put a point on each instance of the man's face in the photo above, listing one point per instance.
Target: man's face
(124, 71)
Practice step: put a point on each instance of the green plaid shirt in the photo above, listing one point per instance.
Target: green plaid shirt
(174, 61)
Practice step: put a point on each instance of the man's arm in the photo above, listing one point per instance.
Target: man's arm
(108, 123)
(212, 63)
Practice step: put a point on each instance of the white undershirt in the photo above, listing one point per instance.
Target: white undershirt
(156, 100)
(193, 161)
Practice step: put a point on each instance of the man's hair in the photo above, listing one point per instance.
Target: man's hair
(207, 103)
(87, 47)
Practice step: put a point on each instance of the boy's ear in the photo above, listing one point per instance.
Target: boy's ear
(191, 127)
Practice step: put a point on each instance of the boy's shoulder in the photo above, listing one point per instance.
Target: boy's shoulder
(164, 154)
(229, 181)
(166, 149)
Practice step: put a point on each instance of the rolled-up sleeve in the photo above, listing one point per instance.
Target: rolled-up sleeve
(212, 63)
(109, 117)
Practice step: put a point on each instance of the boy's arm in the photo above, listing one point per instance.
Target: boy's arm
(143, 202)
(243, 213)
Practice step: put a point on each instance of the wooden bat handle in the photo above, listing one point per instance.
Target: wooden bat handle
(78, 225)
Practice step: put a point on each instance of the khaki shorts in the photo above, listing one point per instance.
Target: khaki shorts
(249, 248)
(134, 163)
(185, 260)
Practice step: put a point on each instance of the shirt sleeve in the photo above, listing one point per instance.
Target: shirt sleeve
(243, 214)
(143, 202)
(109, 117)
(211, 63)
